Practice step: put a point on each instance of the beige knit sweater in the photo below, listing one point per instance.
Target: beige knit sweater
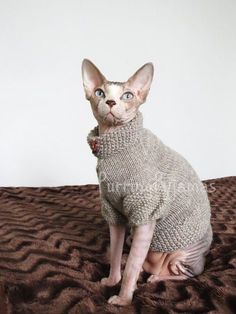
(142, 180)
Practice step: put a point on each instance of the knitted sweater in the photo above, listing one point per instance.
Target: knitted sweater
(142, 180)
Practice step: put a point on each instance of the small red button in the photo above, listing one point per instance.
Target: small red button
(94, 146)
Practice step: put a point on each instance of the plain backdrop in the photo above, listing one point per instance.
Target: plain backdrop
(44, 117)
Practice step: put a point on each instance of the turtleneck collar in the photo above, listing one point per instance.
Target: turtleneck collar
(112, 142)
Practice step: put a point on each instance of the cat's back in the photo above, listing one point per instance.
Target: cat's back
(147, 160)
(168, 163)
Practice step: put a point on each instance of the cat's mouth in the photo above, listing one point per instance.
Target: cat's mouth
(111, 114)
(112, 118)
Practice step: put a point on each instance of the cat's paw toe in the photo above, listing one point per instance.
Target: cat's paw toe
(107, 281)
(117, 300)
(153, 278)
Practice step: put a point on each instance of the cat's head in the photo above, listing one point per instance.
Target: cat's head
(115, 103)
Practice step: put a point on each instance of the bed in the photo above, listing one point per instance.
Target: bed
(54, 249)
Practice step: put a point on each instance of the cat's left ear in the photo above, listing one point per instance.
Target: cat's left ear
(141, 81)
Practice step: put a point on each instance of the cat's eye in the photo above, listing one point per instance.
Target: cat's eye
(99, 92)
(127, 96)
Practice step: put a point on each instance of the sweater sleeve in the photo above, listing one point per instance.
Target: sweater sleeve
(143, 207)
(110, 214)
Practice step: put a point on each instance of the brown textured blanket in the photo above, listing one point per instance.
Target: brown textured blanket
(54, 248)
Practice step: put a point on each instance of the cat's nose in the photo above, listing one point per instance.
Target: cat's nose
(110, 103)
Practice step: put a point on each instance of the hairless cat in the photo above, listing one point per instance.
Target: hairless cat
(145, 186)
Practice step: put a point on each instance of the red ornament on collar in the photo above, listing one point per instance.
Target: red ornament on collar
(94, 146)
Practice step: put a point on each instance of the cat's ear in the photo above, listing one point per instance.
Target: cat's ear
(141, 81)
(92, 77)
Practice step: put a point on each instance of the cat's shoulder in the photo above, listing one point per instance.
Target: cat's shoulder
(148, 135)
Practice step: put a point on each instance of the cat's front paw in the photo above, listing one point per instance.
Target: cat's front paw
(121, 301)
(108, 281)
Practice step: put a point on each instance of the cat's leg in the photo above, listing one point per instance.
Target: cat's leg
(117, 235)
(155, 278)
(166, 266)
(141, 241)
(179, 265)
(128, 242)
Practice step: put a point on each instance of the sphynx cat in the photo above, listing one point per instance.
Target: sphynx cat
(113, 105)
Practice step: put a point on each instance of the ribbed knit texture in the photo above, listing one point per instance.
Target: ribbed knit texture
(143, 180)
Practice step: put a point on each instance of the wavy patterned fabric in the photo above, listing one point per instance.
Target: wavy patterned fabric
(54, 249)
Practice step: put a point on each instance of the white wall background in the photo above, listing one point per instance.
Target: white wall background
(44, 117)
